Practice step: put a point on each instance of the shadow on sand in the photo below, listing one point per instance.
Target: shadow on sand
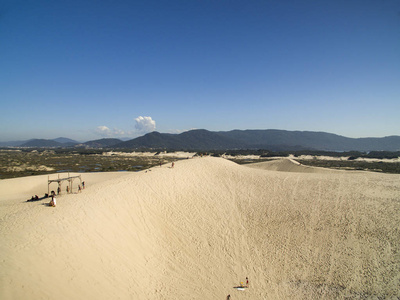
(34, 199)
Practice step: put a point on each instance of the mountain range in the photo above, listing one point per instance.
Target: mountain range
(200, 139)
(58, 142)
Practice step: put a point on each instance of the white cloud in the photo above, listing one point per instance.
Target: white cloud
(103, 130)
(118, 132)
(107, 132)
(175, 131)
(178, 131)
(145, 124)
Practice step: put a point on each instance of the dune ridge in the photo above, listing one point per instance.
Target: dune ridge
(287, 165)
(197, 230)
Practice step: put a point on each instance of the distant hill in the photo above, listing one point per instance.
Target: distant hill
(282, 139)
(61, 142)
(64, 140)
(44, 143)
(12, 143)
(41, 143)
(201, 139)
(271, 139)
(191, 140)
(102, 143)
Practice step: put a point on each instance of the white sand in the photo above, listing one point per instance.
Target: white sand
(287, 165)
(196, 230)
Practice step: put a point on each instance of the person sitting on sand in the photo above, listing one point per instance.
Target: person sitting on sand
(53, 201)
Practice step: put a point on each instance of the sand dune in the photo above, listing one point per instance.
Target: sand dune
(196, 230)
(287, 165)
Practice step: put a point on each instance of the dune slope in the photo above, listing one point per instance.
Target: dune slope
(287, 165)
(197, 230)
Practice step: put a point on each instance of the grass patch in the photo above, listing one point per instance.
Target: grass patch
(384, 167)
(19, 163)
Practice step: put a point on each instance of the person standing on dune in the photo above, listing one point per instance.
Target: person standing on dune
(53, 201)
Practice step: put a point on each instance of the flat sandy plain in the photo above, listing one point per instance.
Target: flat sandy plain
(197, 230)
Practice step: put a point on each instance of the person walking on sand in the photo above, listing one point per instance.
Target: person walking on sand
(67, 189)
(79, 188)
(173, 164)
(247, 282)
(228, 297)
(83, 184)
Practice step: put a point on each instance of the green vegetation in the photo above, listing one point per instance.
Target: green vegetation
(18, 163)
(352, 154)
(353, 165)
(27, 162)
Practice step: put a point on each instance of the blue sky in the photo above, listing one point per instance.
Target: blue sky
(93, 69)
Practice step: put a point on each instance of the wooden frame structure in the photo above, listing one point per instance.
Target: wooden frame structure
(59, 180)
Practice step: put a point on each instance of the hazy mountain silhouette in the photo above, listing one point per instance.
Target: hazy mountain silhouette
(270, 139)
(12, 143)
(43, 143)
(101, 143)
(190, 140)
(64, 140)
(201, 139)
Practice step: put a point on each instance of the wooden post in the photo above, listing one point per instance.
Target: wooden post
(68, 183)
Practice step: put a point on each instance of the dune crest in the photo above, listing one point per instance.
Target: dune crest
(197, 230)
(287, 165)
